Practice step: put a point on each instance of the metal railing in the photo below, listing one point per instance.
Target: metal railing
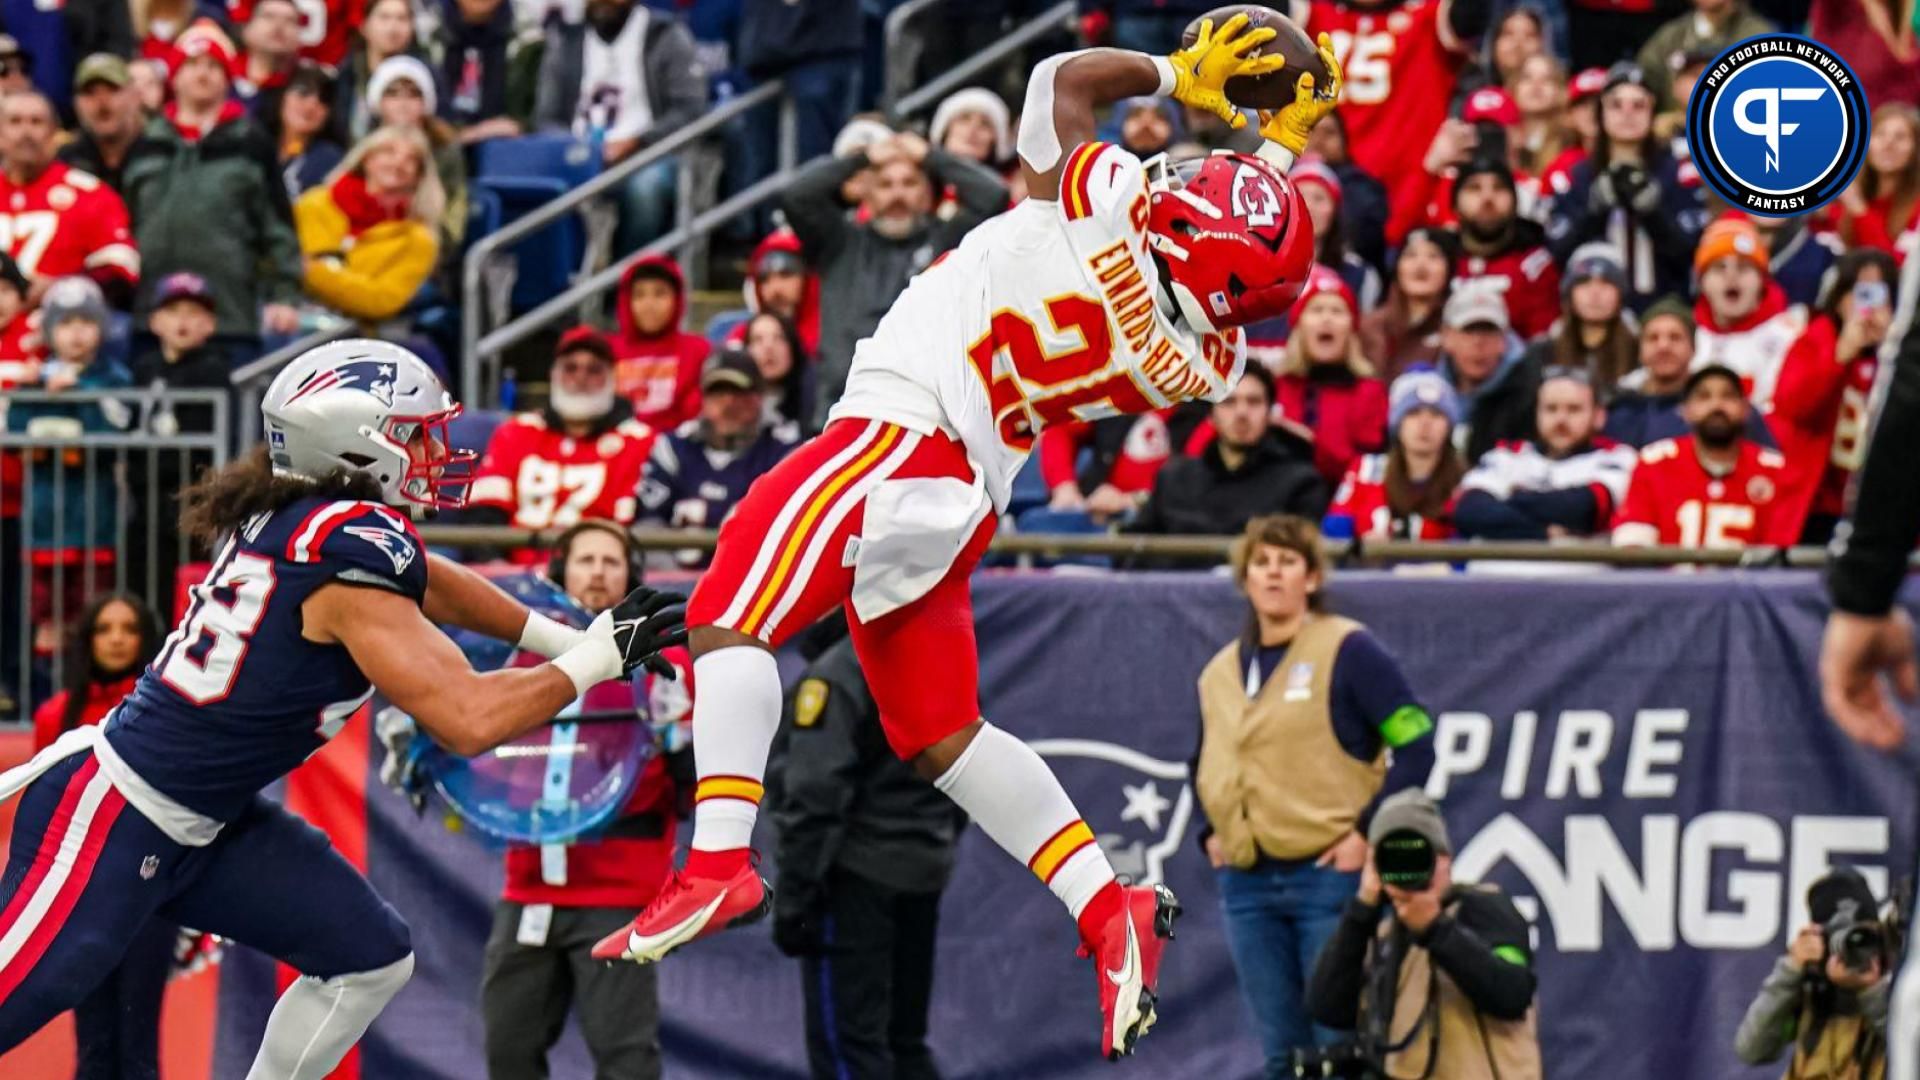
(250, 380)
(903, 50)
(95, 512)
(1214, 550)
(1058, 16)
(473, 348)
(483, 350)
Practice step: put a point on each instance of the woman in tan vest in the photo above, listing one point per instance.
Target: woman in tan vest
(1306, 723)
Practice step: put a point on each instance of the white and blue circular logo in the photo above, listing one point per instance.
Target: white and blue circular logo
(1778, 125)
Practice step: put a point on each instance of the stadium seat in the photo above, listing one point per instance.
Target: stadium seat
(522, 174)
(471, 430)
(724, 323)
(1029, 488)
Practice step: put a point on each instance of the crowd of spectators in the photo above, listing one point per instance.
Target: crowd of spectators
(1523, 287)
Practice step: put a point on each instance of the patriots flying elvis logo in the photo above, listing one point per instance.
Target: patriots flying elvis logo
(396, 547)
(373, 376)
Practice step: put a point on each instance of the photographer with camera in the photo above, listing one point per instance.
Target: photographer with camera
(1435, 977)
(1827, 997)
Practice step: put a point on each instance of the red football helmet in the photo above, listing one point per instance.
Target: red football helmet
(1235, 236)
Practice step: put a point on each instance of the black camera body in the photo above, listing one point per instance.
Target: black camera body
(1348, 1061)
(1855, 936)
(1405, 860)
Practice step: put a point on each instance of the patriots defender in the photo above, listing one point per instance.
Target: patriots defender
(321, 594)
(1115, 288)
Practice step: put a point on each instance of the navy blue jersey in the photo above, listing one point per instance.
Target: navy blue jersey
(688, 484)
(237, 698)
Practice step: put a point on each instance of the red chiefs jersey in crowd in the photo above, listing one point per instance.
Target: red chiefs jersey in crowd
(1362, 499)
(1401, 62)
(1820, 415)
(325, 26)
(1146, 447)
(67, 222)
(546, 479)
(1526, 277)
(1673, 499)
(625, 864)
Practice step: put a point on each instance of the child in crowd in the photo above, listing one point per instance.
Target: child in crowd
(71, 551)
(656, 364)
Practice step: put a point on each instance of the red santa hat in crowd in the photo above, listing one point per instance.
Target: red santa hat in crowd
(1323, 280)
(203, 38)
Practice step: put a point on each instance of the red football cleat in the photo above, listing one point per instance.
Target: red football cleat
(688, 908)
(1127, 964)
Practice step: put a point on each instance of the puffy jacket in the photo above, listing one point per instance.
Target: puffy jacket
(74, 484)
(216, 206)
(48, 719)
(359, 263)
(658, 373)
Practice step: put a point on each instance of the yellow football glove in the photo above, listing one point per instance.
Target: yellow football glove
(1291, 125)
(1201, 70)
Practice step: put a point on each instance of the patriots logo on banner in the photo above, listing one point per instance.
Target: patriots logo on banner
(396, 547)
(376, 377)
(1138, 806)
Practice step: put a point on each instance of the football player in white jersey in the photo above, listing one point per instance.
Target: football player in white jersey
(1116, 287)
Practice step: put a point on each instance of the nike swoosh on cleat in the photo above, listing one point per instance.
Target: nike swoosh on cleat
(676, 935)
(1126, 973)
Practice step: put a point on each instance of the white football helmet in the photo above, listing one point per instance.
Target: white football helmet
(369, 407)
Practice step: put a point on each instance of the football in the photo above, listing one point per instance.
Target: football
(1274, 90)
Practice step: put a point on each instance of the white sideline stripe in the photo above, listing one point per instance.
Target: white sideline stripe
(316, 523)
(842, 506)
(770, 544)
(63, 861)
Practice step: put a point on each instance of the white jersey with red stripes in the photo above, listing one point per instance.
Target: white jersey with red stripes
(1044, 314)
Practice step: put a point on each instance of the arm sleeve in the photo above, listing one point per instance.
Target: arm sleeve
(1579, 509)
(1811, 377)
(1478, 514)
(1375, 708)
(1483, 947)
(817, 788)
(1871, 557)
(1059, 447)
(363, 544)
(1770, 1025)
(1339, 975)
(812, 204)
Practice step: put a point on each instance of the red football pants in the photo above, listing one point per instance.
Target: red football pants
(784, 561)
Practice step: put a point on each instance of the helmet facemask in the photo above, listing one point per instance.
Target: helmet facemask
(436, 475)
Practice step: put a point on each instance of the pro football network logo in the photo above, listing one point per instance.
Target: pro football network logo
(1778, 125)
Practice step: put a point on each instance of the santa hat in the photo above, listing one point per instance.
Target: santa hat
(1732, 234)
(980, 100)
(402, 69)
(203, 38)
(1312, 170)
(1323, 280)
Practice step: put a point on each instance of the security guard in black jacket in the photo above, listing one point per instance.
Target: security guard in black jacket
(865, 848)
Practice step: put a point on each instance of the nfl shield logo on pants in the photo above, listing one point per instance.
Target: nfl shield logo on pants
(149, 866)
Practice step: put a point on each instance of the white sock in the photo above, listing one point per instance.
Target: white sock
(1005, 787)
(736, 710)
(317, 1021)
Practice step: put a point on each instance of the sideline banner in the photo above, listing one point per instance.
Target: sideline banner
(1639, 758)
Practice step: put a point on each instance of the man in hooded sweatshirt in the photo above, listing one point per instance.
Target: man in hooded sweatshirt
(778, 281)
(656, 364)
(1743, 319)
